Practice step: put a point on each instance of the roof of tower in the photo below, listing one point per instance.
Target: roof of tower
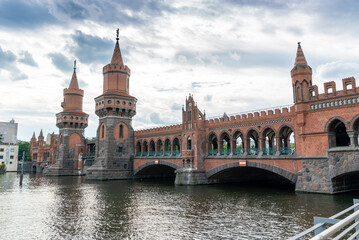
(117, 57)
(74, 83)
(41, 135)
(33, 136)
(300, 58)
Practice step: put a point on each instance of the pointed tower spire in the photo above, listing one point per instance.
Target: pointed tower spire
(117, 57)
(41, 135)
(74, 84)
(33, 136)
(300, 58)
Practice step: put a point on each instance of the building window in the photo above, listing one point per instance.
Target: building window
(10, 162)
(121, 131)
(1, 157)
(117, 102)
(11, 157)
(12, 150)
(124, 103)
(125, 166)
(109, 101)
(1, 149)
(120, 149)
(2, 162)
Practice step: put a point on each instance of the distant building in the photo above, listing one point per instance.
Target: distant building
(8, 156)
(41, 151)
(8, 130)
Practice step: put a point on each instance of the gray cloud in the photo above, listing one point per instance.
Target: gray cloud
(92, 49)
(8, 62)
(28, 59)
(6, 58)
(176, 107)
(24, 14)
(72, 9)
(61, 62)
(155, 118)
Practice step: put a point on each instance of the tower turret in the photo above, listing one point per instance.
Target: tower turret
(301, 77)
(41, 138)
(33, 140)
(115, 135)
(71, 122)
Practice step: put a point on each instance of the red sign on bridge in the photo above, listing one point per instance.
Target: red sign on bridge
(242, 163)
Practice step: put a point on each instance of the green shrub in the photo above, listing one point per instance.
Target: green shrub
(2, 166)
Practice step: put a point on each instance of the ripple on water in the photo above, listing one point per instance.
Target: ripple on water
(71, 208)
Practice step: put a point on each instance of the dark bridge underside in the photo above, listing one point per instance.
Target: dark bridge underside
(346, 182)
(250, 174)
(156, 171)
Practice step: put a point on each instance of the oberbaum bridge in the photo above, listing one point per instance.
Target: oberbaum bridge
(311, 145)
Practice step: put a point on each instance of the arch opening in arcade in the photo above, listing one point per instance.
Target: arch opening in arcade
(213, 144)
(138, 149)
(286, 141)
(145, 148)
(152, 148)
(167, 147)
(225, 144)
(238, 143)
(337, 134)
(252, 139)
(269, 143)
(176, 147)
(159, 151)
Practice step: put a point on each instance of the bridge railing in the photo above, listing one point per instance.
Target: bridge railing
(346, 228)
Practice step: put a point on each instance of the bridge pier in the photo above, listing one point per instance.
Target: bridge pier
(336, 173)
(190, 176)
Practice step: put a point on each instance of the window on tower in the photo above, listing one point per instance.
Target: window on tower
(121, 131)
(103, 131)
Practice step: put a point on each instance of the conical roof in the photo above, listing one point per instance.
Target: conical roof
(300, 58)
(117, 57)
(41, 135)
(33, 136)
(74, 84)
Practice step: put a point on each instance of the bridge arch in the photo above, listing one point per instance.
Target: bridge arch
(291, 177)
(268, 140)
(157, 167)
(285, 134)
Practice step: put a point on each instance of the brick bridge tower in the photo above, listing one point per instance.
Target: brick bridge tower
(115, 135)
(71, 123)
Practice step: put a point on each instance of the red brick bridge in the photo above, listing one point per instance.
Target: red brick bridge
(312, 144)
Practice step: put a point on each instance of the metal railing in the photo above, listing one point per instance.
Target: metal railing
(253, 151)
(341, 228)
(269, 151)
(212, 151)
(225, 151)
(286, 151)
(167, 153)
(238, 151)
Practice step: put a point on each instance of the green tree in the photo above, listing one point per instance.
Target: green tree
(24, 146)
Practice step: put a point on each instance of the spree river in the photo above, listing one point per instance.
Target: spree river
(74, 208)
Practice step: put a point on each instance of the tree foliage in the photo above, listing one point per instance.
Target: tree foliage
(24, 146)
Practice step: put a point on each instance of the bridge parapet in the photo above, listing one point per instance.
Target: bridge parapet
(254, 116)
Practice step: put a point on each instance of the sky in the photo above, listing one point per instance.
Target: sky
(233, 56)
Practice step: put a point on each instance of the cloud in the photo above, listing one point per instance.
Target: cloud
(24, 14)
(92, 49)
(155, 118)
(72, 9)
(8, 63)
(6, 58)
(61, 62)
(176, 107)
(337, 70)
(28, 59)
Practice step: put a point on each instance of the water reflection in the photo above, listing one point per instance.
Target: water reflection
(72, 208)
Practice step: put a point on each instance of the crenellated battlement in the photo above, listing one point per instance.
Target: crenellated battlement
(158, 130)
(113, 67)
(330, 90)
(255, 116)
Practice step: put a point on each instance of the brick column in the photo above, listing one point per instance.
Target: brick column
(278, 145)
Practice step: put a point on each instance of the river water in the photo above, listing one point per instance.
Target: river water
(73, 208)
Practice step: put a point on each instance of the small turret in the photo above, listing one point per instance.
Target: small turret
(301, 77)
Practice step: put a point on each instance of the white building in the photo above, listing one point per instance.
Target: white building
(9, 157)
